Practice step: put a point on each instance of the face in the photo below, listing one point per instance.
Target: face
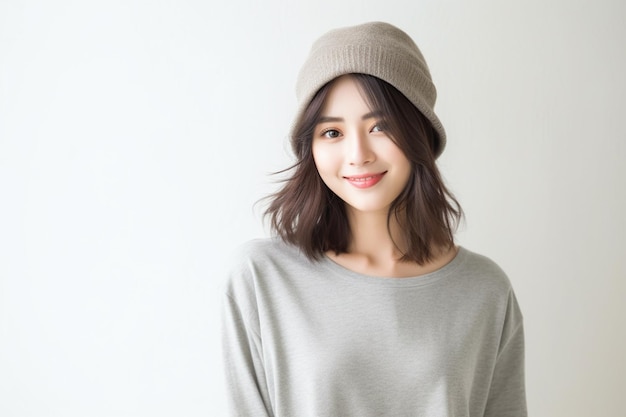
(353, 154)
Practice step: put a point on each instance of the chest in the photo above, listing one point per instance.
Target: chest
(373, 354)
(373, 343)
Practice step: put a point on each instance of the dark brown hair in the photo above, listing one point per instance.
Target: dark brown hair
(306, 213)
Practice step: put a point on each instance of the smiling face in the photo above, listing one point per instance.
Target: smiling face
(354, 155)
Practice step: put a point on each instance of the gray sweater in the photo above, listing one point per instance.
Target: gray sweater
(304, 338)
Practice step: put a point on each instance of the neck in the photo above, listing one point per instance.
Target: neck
(372, 250)
(374, 237)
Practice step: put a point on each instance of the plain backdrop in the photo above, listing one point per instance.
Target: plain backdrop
(136, 137)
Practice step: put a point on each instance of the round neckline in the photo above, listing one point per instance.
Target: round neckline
(346, 274)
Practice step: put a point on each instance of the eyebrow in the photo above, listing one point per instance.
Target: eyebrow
(330, 119)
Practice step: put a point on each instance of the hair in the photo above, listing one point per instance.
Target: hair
(307, 214)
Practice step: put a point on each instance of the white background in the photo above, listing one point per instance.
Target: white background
(136, 136)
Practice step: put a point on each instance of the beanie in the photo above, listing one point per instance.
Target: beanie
(378, 49)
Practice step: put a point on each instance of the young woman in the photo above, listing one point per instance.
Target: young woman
(362, 305)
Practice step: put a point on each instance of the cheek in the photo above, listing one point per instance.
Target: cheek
(407, 168)
(324, 160)
(403, 161)
(394, 155)
(316, 157)
(399, 159)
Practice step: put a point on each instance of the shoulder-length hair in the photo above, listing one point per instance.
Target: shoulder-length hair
(307, 214)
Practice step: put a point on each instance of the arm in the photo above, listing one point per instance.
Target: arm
(246, 386)
(507, 395)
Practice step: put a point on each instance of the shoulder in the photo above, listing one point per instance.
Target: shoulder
(254, 261)
(259, 252)
(474, 261)
(478, 276)
(485, 278)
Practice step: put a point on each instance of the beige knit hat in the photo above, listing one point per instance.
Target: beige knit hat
(377, 49)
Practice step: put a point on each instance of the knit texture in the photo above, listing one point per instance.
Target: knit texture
(378, 49)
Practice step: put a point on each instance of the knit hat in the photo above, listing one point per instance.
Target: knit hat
(377, 49)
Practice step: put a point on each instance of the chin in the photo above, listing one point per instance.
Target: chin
(369, 208)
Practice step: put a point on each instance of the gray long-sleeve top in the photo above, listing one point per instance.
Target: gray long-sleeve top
(311, 338)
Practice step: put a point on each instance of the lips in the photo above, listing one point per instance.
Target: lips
(365, 180)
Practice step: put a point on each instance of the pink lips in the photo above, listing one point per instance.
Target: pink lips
(365, 180)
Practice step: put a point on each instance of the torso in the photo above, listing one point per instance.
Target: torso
(328, 341)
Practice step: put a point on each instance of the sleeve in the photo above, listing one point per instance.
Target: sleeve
(507, 394)
(246, 386)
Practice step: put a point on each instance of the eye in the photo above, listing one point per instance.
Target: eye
(378, 127)
(330, 133)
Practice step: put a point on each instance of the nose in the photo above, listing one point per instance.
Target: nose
(360, 151)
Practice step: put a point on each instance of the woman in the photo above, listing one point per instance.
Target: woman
(362, 305)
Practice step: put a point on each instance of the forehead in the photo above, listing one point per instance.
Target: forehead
(345, 97)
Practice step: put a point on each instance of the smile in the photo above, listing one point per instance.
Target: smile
(366, 180)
